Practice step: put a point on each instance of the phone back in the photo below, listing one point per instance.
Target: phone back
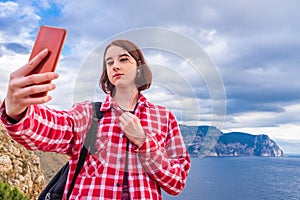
(51, 38)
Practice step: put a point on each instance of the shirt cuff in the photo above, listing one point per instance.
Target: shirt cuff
(8, 121)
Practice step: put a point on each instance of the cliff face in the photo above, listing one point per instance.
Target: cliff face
(243, 144)
(20, 167)
(228, 144)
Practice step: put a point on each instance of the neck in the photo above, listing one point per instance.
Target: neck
(126, 98)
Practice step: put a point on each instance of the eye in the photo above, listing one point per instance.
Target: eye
(123, 59)
(109, 63)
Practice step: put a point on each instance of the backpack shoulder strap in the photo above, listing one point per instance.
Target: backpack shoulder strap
(96, 108)
(90, 139)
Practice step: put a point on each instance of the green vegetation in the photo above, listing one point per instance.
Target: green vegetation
(9, 193)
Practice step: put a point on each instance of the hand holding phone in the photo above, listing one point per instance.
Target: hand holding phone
(21, 87)
(42, 62)
(53, 39)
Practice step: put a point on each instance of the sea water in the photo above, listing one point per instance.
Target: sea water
(242, 178)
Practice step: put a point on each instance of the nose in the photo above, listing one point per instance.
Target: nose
(115, 66)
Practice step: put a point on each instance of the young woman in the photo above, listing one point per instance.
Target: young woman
(139, 148)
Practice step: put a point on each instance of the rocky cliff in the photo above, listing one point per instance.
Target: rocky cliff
(228, 144)
(20, 167)
(244, 144)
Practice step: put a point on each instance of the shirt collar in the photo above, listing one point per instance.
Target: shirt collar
(108, 102)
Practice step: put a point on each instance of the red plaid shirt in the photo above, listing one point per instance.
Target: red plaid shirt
(161, 162)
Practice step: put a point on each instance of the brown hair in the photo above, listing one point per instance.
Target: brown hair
(143, 78)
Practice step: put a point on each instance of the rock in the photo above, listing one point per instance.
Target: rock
(227, 144)
(20, 167)
(5, 164)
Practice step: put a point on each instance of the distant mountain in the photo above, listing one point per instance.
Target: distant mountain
(210, 141)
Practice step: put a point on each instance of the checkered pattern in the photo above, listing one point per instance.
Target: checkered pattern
(161, 162)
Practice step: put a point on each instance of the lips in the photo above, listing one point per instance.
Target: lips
(118, 75)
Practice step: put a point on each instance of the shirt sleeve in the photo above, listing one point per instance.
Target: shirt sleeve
(168, 165)
(46, 129)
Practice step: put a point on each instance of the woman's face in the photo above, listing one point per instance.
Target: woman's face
(121, 67)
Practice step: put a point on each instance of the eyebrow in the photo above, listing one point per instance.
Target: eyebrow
(121, 55)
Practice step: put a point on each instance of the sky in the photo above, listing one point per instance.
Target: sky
(232, 64)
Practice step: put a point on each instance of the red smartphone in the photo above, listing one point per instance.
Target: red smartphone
(53, 39)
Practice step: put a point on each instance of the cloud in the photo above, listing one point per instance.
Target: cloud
(8, 64)
(15, 47)
(288, 115)
(253, 45)
(17, 21)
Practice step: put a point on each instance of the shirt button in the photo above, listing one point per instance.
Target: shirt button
(118, 184)
(123, 136)
(121, 160)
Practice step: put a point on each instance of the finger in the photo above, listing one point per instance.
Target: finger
(40, 78)
(131, 117)
(35, 89)
(122, 120)
(125, 117)
(26, 69)
(34, 79)
(38, 100)
(128, 115)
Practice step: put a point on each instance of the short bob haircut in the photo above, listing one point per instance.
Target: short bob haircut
(143, 78)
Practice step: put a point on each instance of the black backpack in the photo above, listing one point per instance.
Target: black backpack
(55, 188)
